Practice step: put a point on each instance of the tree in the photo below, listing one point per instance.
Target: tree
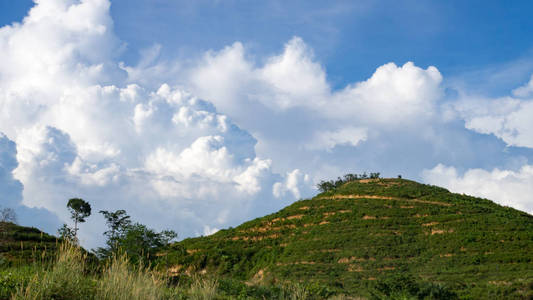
(374, 175)
(8, 214)
(141, 242)
(79, 211)
(118, 223)
(67, 233)
(134, 239)
(325, 186)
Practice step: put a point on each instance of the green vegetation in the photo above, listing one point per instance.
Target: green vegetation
(362, 238)
(134, 240)
(376, 238)
(330, 185)
(64, 280)
(24, 245)
(71, 275)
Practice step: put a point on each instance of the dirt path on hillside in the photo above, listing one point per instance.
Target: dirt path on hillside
(385, 198)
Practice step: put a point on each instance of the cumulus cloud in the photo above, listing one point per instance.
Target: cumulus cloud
(294, 79)
(286, 101)
(83, 127)
(229, 138)
(207, 159)
(392, 95)
(294, 182)
(506, 187)
(507, 118)
(11, 190)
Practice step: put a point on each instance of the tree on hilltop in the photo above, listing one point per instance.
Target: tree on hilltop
(8, 214)
(328, 185)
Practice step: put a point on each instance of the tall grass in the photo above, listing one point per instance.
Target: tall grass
(203, 288)
(68, 277)
(294, 291)
(63, 280)
(121, 281)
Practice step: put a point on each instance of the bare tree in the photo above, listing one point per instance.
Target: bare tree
(8, 214)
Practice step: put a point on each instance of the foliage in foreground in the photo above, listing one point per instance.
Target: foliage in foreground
(64, 280)
(73, 276)
(121, 281)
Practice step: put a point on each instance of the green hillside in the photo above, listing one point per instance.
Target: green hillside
(21, 245)
(372, 238)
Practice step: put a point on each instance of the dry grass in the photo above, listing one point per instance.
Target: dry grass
(203, 288)
(122, 282)
(64, 280)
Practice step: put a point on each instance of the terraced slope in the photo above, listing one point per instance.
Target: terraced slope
(20, 245)
(368, 232)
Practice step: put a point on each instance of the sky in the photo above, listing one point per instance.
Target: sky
(199, 115)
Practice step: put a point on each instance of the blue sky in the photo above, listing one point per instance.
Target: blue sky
(198, 115)
(351, 38)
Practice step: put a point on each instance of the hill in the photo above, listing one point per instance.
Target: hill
(373, 238)
(21, 245)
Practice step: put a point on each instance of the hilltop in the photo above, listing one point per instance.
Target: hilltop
(373, 237)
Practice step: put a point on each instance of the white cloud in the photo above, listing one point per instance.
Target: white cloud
(210, 230)
(293, 79)
(208, 160)
(506, 187)
(344, 136)
(287, 103)
(222, 76)
(525, 90)
(294, 182)
(11, 190)
(507, 118)
(393, 94)
(84, 127)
